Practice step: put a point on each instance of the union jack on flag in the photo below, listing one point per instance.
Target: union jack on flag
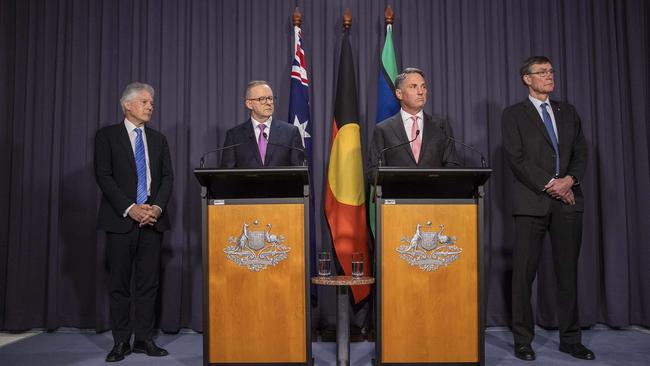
(299, 95)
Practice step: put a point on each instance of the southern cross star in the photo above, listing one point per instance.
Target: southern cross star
(303, 129)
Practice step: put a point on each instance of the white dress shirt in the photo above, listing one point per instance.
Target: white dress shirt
(257, 129)
(407, 118)
(538, 105)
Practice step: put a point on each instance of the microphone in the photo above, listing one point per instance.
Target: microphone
(304, 156)
(381, 153)
(470, 147)
(202, 161)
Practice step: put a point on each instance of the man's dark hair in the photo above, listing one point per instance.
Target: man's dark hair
(409, 70)
(534, 60)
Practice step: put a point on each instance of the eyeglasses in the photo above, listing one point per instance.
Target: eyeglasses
(543, 73)
(269, 99)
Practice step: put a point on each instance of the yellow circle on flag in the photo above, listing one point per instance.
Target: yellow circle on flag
(345, 174)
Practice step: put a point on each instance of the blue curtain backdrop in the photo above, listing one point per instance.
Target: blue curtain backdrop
(64, 63)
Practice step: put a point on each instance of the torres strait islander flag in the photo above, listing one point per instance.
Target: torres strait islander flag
(387, 103)
(345, 202)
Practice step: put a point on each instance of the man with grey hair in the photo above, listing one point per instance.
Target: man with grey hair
(134, 172)
(429, 145)
(262, 141)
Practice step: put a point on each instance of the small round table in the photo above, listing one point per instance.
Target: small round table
(342, 312)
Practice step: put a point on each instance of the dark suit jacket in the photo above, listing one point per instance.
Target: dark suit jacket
(247, 154)
(436, 150)
(117, 178)
(532, 158)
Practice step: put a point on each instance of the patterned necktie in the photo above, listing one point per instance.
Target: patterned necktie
(141, 168)
(261, 141)
(415, 145)
(551, 133)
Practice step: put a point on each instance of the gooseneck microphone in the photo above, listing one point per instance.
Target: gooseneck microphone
(304, 156)
(382, 151)
(202, 161)
(470, 147)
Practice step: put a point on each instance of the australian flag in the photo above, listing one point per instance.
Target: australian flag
(299, 117)
(299, 98)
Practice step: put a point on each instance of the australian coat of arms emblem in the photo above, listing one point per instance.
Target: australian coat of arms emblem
(428, 249)
(256, 249)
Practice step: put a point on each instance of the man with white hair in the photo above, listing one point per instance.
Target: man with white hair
(134, 172)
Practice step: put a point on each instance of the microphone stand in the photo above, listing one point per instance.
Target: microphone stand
(470, 147)
(202, 161)
(381, 154)
(304, 156)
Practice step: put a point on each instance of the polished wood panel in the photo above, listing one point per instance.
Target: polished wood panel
(256, 316)
(429, 316)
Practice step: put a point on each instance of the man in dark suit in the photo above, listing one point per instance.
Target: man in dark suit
(430, 146)
(262, 141)
(547, 153)
(133, 170)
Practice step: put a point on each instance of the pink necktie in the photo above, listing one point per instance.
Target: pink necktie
(415, 145)
(261, 142)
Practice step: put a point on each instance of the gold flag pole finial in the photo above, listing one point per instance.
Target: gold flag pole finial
(389, 15)
(347, 19)
(296, 17)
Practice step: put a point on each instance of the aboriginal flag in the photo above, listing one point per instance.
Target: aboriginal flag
(345, 202)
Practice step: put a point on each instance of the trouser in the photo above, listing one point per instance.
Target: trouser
(133, 256)
(565, 228)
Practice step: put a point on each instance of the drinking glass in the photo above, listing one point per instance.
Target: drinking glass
(324, 264)
(357, 264)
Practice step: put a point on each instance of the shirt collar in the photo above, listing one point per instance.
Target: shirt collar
(538, 103)
(407, 116)
(257, 123)
(130, 126)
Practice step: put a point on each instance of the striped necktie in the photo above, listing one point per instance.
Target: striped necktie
(141, 167)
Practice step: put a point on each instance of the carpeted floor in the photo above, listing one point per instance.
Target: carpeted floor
(74, 347)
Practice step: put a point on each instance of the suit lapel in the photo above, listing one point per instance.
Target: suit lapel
(535, 119)
(563, 131)
(274, 135)
(251, 142)
(428, 131)
(126, 145)
(153, 146)
(397, 126)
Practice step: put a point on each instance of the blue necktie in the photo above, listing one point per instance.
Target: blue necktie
(141, 168)
(551, 133)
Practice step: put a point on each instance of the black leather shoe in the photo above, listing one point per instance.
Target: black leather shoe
(524, 352)
(577, 350)
(120, 349)
(150, 348)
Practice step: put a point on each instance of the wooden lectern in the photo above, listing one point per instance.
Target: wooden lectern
(256, 266)
(429, 266)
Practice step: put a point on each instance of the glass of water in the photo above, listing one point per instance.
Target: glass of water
(324, 264)
(357, 264)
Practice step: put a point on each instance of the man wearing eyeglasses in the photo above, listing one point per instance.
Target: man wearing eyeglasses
(546, 149)
(262, 141)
